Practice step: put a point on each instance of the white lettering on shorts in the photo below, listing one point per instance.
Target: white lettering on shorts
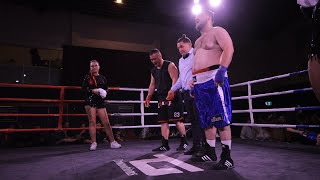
(176, 114)
(216, 118)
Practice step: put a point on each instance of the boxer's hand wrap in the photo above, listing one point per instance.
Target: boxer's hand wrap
(220, 74)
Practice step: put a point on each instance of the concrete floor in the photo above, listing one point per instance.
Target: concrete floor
(253, 160)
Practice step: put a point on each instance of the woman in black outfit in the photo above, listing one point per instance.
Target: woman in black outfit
(95, 87)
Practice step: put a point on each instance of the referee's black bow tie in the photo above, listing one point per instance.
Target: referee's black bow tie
(186, 56)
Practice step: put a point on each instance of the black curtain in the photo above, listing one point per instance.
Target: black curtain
(122, 68)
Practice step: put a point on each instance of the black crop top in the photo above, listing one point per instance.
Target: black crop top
(101, 83)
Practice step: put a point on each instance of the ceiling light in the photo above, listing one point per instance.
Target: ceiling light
(119, 1)
(196, 9)
(215, 3)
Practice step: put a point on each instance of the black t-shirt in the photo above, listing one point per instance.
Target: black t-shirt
(163, 80)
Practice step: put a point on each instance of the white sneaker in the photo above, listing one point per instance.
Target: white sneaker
(93, 146)
(115, 145)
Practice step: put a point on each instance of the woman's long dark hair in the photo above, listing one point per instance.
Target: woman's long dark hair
(92, 78)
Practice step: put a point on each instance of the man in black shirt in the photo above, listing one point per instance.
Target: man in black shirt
(163, 76)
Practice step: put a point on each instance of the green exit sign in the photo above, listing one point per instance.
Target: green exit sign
(268, 103)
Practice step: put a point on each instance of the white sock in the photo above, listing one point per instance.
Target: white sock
(227, 142)
(212, 143)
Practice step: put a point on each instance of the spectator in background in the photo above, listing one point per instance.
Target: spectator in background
(278, 134)
(305, 135)
(315, 120)
(101, 133)
(13, 139)
(248, 132)
(65, 136)
(262, 133)
(84, 135)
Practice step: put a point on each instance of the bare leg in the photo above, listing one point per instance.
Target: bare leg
(165, 130)
(211, 133)
(225, 133)
(181, 128)
(103, 115)
(91, 112)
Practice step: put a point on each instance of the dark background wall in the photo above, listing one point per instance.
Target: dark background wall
(123, 69)
(270, 38)
(264, 46)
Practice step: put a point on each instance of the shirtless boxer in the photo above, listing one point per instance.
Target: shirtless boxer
(212, 55)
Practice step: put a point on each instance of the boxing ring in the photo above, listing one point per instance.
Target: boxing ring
(141, 93)
(270, 160)
(250, 97)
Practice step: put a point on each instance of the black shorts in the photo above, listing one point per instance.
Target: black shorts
(95, 101)
(171, 111)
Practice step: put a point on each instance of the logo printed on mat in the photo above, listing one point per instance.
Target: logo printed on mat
(145, 166)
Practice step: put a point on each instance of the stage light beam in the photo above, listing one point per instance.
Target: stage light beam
(214, 3)
(196, 9)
